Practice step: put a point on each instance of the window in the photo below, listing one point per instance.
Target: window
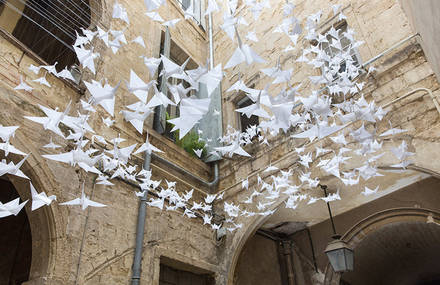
(47, 28)
(335, 48)
(198, 9)
(243, 121)
(170, 49)
(173, 272)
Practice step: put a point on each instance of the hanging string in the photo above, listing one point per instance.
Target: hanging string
(70, 35)
(97, 15)
(66, 15)
(33, 21)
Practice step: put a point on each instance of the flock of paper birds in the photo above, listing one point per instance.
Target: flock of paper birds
(312, 116)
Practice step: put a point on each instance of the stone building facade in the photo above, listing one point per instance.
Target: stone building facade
(65, 245)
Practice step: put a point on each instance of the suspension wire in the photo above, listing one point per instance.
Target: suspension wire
(79, 11)
(88, 5)
(55, 24)
(77, 6)
(33, 21)
(76, 19)
(53, 15)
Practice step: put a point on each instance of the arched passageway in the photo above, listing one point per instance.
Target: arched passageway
(15, 241)
(403, 253)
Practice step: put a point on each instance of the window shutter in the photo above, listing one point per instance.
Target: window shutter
(160, 111)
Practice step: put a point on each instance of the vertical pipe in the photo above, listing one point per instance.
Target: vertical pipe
(324, 187)
(286, 244)
(211, 44)
(140, 228)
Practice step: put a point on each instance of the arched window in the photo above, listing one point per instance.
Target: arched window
(46, 27)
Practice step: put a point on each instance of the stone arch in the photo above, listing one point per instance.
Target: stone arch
(240, 239)
(43, 231)
(375, 222)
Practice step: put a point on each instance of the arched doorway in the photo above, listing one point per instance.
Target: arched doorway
(397, 246)
(15, 241)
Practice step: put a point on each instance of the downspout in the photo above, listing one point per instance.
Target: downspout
(140, 229)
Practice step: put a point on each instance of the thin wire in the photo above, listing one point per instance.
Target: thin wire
(53, 15)
(91, 10)
(80, 10)
(30, 6)
(50, 17)
(90, 7)
(32, 20)
(64, 12)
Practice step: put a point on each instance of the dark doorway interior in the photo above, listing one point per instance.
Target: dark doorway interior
(15, 241)
(173, 272)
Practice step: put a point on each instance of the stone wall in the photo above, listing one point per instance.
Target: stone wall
(96, 246)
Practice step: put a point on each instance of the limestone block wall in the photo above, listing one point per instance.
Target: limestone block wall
(380, 24)
(96, 246)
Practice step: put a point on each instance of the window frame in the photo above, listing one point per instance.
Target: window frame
(240, 104)
(354, 52)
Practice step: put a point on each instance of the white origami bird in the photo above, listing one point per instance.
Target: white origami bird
(119, 12)
(191, 111)
(152, 64)
(11, 208)
(77, 157)
(137, 117)
(42, 81)
(103, 95)
(369, 191)
(155, 16)
(86, 57)
(148, 147)
(40, 199)
(51, 145)
(139, 40)
(84, 201)
(23, 86)
(198, 152)
(7, 132)
(53, 119)
(154, 4)
(11, 168)
(171, 23)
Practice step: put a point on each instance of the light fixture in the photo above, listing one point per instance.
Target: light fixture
(340, 255)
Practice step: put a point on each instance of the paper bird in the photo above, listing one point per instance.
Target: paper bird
(14, 169)
(42, 81)
(51, 145)
(171, 23)
(103, 95)
(84, 201)
(154, 4)
(23, 86)
(77, 157)
(34, 69)
(86, 57)
(52, 120)
(148, 147)
(11, 208)
(212, 7)
(198, 152)
(40, 199)
(119, 12)
(368, 191)
(155, 16)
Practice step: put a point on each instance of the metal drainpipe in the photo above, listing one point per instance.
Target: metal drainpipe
(140, 229)
(142, 212)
